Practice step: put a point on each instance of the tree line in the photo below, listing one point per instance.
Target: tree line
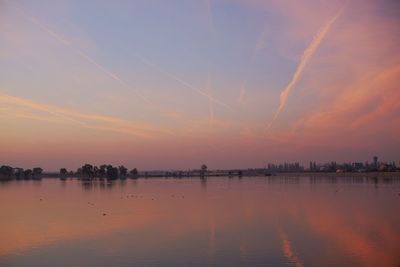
(86, 171)
(8, 172)
(90, 171)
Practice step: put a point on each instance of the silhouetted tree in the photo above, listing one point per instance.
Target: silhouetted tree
(28, 173)
(103, 170)
(19, 173)
(87, 170)
(134, 173)
(112, 172)
(6, 171)
(122, 170)
(95, 171)
(63, 171)
(37, 171)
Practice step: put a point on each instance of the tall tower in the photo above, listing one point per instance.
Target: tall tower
(375, 161)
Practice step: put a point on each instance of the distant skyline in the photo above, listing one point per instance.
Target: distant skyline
(174, 84)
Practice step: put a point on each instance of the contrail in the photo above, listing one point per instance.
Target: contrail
(307, 55)
(210, 103)
(260, 44)
(184, 83)
(85, 56)
(210, 17)
(113, 75)
(44, 28)
(242, 92)
(117, 78)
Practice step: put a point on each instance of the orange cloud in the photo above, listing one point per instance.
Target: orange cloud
(88, 120)
(369, 105)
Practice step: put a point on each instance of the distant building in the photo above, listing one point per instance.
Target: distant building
(375, 162)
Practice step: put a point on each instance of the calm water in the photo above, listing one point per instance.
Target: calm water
(278, 221)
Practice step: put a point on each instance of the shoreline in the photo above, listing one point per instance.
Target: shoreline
(372, 175)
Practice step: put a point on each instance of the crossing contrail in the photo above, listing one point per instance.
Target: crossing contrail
(115, 76)
(306, 57)
(119, 79)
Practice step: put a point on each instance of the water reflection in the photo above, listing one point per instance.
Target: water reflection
(280, 221)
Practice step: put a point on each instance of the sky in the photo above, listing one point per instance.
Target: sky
(174, 84)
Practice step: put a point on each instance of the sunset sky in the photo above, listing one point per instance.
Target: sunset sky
(158, 84)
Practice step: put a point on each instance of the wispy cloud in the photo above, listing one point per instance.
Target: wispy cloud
(371, 100)
(87, 120)
(306, 57)
(261, 43)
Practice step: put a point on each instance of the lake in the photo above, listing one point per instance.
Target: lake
(253, 221)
